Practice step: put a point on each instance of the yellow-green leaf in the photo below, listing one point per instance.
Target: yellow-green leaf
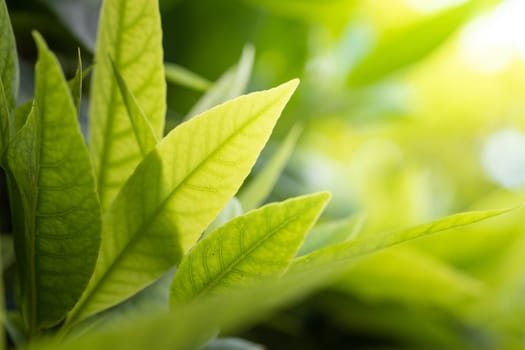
(129, 33)
(251, 247)
(344, 252)
(139, 121)
(174, 194)
(76, 84)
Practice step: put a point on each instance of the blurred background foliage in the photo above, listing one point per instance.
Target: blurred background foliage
(409, 110)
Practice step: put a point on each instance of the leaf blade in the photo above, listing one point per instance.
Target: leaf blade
(61, 232)
(345, 252)
(142, 129)
(252, 247)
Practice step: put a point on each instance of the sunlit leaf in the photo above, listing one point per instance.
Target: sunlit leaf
(57, 244)
(139, 121)
(230, 85)
(251, 247)
(130, 34)
(176, 192)
(344, 252)
(179, 75)
(75, 84)
(260, 187)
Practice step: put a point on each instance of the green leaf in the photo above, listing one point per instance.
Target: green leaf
(129, 33)
(8, 75)
(5, 120)
(231, 84)
(402, 47)
(76, 84)
(331, 233)
(344, 252)
(176, 192)
(179, 75)
(252, 195)
(251, 247)
(139, 121)
(57, 244)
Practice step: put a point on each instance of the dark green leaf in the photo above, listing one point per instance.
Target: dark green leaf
(58, 243)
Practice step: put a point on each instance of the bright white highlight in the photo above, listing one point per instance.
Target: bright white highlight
(503, 157)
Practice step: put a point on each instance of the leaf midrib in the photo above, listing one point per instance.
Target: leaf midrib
(247, 252)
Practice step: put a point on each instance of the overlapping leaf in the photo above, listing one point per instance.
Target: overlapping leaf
(57, 242)
(142, 129)
(251, 247)
(344, 252)
(130, 34)
(176, 192)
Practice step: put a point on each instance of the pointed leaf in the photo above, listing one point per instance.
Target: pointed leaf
(179, 75)
(129, 33)
(345, 252)
(251, 247)
(230, 85)
(176, 192)
(142, 129)
(76, 84)
(8, 76)
(57, 249)
(261, 186)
